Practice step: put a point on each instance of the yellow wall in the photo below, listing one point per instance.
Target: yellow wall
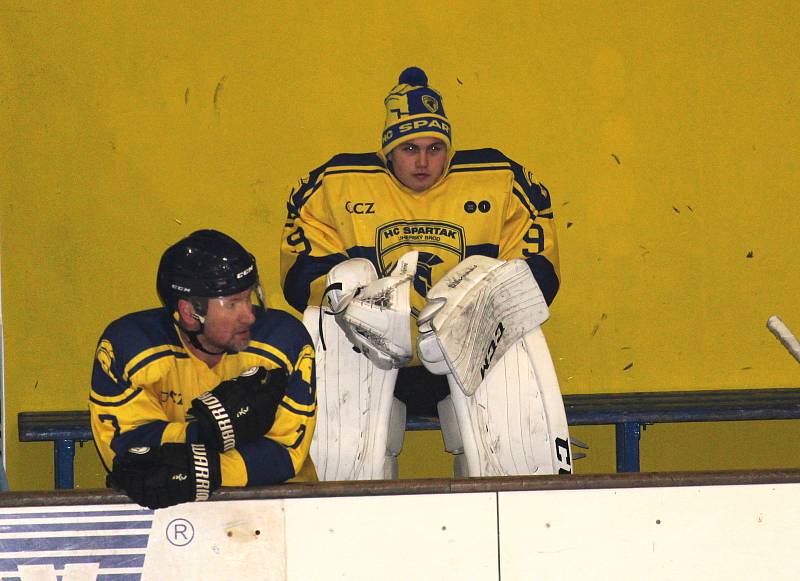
(666, 131)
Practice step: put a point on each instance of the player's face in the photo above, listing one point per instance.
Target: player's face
(419, 163)
(228, 322)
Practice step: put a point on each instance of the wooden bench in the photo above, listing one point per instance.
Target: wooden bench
(628, 412)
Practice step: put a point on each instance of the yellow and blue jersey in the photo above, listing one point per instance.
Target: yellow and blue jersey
(353, 206)
(145, 378)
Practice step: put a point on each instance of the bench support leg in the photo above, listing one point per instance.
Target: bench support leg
(64, 464)
(628, 434)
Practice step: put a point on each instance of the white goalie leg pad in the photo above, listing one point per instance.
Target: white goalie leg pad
(515, 423)
(355, 409)
(474, 314)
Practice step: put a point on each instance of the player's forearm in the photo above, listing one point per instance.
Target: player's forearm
(257, 463)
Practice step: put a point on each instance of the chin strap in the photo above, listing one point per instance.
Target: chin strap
(195, 341)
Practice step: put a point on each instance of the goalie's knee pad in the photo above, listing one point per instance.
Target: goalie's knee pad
(360, 425)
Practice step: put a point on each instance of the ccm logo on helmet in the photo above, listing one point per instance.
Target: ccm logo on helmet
(245, 272)
(359, 207)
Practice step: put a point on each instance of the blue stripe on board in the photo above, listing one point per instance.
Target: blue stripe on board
(83, 526)
(128, 512)
(100, 577)
(106, 561)
(74, 543)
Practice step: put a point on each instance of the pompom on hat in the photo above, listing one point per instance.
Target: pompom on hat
(414, 109)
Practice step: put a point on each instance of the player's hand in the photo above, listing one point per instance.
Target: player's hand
(168, 475)
(239, 410)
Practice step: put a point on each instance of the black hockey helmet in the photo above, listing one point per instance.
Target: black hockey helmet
(206, 263)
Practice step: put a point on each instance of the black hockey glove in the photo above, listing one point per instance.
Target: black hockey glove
(171, 474)
(239, 410)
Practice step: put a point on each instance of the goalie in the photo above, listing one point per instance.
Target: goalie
(421, 232)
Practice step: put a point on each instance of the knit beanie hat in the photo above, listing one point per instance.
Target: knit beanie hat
(413, 109)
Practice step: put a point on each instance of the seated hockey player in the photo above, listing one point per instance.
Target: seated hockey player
(367, 239)
(209, 390)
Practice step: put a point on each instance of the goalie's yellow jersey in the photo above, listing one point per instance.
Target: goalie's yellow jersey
(145, 378)
(353, 206)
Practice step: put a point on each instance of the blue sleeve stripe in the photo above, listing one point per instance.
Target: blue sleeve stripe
(155, 357)
(299, 196)
(473, 168)
(106, 386)
(351, 170)
(367, 252)
(370, 159)
(297, 411)
(490, 250)
(533, 191)
(193, 435)
(297, 285)
(545, 275)
(145, 435)
(265, 354)
(267, 462)
(135, 392)
(525, 201)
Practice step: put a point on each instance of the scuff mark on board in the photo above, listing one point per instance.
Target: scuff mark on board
(217, 94)
(186, 96)
(750, 254)
(596, 326)
(628, 366)
(614, 155)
